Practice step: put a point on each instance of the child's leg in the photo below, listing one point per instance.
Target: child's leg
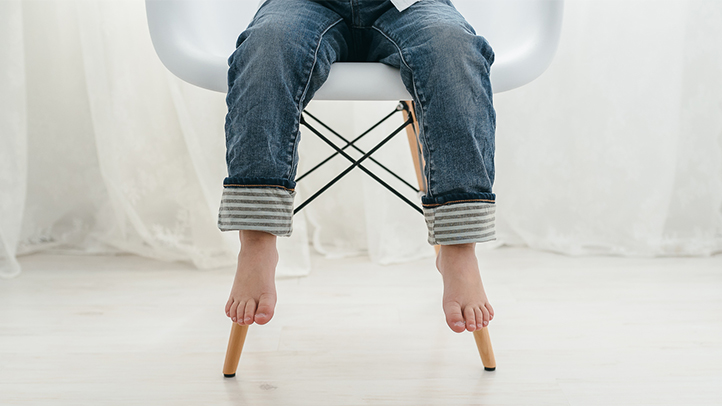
(281, 60)
(445, 66)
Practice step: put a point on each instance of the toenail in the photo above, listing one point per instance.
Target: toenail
(459, 323)
(486, 322)
(472, 325)
(261, 315)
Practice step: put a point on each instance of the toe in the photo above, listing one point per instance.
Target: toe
(485, 315)
(249, 312)
(266, 305)
(228, 306)
(491, 311)
(470, 318)
(232, 311)
(454, 318)
(479, 318)
(238, 314)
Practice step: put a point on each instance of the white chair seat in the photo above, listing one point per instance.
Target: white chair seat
(194, 39)
(371, 81)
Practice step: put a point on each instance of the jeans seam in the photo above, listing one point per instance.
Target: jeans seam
(421, 109)
(353, 14)
(258, 186)
(305, 90)
(433, 205)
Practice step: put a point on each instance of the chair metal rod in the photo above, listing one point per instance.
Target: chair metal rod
(351, 144)
(396, 110)
(358, 163)
(379, 180)
(348, 143)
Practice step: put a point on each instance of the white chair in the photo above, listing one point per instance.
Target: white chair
(194, 39)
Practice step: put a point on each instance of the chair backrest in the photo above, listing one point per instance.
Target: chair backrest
(194, 39)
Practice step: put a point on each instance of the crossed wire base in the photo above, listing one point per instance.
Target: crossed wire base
(402, 106)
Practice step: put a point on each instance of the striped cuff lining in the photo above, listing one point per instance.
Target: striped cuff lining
(262, 209)
(461, 223)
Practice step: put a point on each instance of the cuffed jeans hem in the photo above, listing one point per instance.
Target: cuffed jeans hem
(462, 222)
(251, 207)
(237, 181)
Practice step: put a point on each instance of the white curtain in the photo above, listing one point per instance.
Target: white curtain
(616, 149)
(13, 145)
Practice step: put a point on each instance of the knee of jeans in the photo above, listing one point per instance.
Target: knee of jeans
(267, 45)
(451, 42)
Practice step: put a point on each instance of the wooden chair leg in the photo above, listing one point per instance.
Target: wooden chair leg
(415, 146)
(235, 346)
(483, 341)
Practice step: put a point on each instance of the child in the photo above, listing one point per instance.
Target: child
(284, 56)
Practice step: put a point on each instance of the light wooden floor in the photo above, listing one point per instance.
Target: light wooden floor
(568, 331)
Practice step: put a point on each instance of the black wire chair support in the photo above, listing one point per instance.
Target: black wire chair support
(357, 163)
(351, 144)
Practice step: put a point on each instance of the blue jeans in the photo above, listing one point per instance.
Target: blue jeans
(285, 55)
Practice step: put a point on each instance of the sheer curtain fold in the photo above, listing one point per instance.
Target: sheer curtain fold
(616, 149)
(13, 147)
(155, 194)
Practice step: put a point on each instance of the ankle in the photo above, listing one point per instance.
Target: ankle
(456, 258)
(253, 237)
(458, 249)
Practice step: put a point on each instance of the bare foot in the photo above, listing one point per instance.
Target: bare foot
(253, 295)
(465, 302)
